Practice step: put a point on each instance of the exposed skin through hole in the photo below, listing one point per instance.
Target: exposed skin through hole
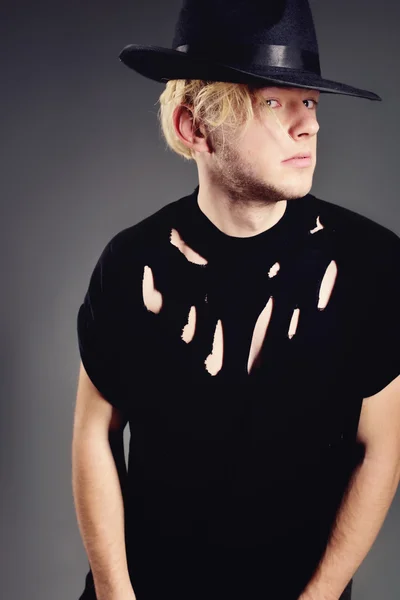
(293, 323)
(327, 283)
(189, 329)
(274, 269)
(214, 360)
(260, 330)
(187, 251)
(318, 226)
(152, 298)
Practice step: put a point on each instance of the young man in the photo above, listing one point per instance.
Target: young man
(249, 334)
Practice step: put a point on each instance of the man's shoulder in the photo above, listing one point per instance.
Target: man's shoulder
(356, 227)
(149, 232)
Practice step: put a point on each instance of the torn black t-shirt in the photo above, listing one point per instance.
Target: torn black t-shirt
(242, 364)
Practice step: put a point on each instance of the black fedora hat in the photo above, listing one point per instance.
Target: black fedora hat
(257, 42)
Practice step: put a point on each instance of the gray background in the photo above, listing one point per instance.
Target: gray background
(82, 158)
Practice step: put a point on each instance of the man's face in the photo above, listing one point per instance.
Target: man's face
(250, 165)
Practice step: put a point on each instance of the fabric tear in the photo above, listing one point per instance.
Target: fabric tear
(327, 284)
(214, 360)
(152, 298)
(190, 327)
(318, 227)
(190, 254)
(274, 269)
(260, 330)
(293, 323)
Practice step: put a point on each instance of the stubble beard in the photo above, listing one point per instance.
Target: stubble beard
(236, 178)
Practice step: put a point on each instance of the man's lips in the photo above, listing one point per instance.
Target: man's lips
(298, 162)
(299, 155)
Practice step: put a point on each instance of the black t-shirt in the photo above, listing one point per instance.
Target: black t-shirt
(242, 364)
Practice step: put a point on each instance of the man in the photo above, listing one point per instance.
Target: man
(247, 332)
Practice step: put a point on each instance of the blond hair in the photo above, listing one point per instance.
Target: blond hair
(213, 104)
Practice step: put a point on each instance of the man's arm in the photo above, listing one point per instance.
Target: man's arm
(368, 497)
(98, 478)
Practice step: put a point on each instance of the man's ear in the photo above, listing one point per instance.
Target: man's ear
(183, 123)
(188, 131)
(199, 129)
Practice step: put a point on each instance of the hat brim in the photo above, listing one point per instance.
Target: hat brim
(163, 64)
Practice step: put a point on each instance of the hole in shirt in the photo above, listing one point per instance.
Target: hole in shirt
(190, 254)
(259, 333)
(152, 298)
(214, 360)
(327, 285)
(190, 327)
(318, 227)
(274, 270)
(293, 323)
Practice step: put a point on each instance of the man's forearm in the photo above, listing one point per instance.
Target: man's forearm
(361, 515)
(100, 513)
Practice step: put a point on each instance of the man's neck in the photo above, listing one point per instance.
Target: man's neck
(238, 219)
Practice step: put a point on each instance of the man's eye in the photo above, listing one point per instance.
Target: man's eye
(271, 100)
(312, 100)
(308, 100)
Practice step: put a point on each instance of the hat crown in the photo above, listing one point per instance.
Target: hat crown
(262, 42)
(238, 22)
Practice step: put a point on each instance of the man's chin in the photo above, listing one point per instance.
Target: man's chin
(297, 191)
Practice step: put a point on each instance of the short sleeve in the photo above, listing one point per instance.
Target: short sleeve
(380, 347)
(101, 324)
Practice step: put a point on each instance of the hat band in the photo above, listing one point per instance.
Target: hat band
(265, 55)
